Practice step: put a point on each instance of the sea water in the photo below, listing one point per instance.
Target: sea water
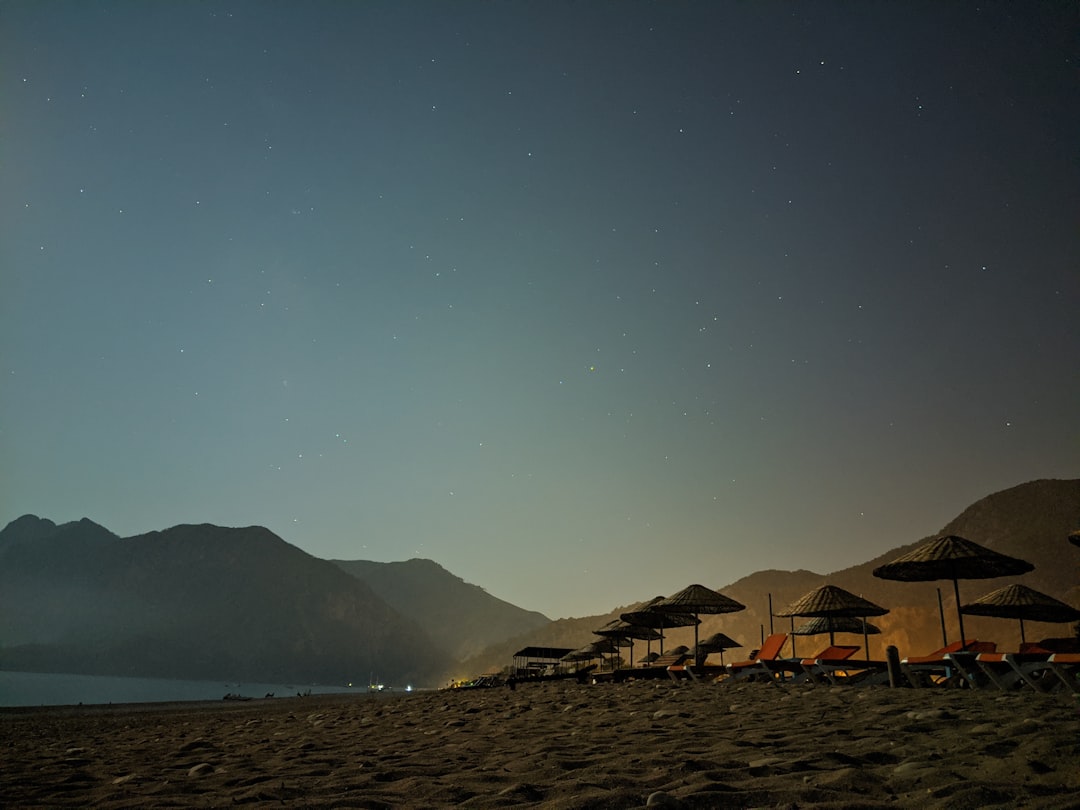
(53, 689)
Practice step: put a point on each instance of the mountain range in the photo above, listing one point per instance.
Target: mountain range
(203, 601)
(462, 619)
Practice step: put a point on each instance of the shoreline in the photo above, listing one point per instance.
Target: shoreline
(225, 704)
(557, 745)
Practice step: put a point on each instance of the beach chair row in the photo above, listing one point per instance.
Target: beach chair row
(971, 664)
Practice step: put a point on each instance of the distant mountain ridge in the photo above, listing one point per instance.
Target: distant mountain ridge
(197, 601)
(461, 618)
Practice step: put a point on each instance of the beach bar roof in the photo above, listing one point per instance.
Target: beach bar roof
(532, 659)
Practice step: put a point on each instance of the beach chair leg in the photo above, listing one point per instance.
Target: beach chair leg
(993, 677)
(917, 678)
(1067, 675)
(1033, 674)
(976, 677)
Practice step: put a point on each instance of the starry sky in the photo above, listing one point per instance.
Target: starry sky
(584, 301)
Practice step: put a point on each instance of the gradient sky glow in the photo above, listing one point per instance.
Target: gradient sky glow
(584, 301)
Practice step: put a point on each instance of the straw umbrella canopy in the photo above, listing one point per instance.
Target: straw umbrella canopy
(585, 653)
(830, 603)
(1021, 602)
(623, 633)
(697, 599)
(843, 624)
(595, 649)
(649, 616)
(603, 645)
(954, 558)
(717, 642)
(840, 624)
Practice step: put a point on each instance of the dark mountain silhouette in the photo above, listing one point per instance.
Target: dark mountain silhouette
(1030, 521)
(204, 601)
(196, 602)
(460, 618)
(26, 528)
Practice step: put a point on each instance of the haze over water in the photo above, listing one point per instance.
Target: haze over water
(61, 689)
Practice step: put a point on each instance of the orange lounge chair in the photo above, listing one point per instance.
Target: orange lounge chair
(939, 667)
(797, 667)
(1067, 667)
(777, 668)
(694, 672)
(656, 669)
(1012, 670)
(837, 671)
(755, 665)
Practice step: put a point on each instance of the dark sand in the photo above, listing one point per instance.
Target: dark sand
(558, 745)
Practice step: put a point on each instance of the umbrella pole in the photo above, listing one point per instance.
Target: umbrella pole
(697, 652)
(865, 639)
(959, 615)
(770, 615)
(941, 613)
(793, 653)
(1022, 639)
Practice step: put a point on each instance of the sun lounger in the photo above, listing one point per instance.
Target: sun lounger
(657, 669)
(696, 672)
(1013, 670)
(1067, 667)
(846, 672)
(754, 666)
(943, 666)
(670, 660)
(796, 668)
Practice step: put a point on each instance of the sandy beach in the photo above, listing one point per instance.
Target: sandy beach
(558, 745)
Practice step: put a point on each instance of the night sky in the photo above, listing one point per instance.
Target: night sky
(584, 301)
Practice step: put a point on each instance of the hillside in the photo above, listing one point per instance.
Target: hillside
(460, 618)
(1030, 521)
(195, 602)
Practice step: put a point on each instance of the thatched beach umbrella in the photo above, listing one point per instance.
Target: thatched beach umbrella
(843, 624)
(648, 616)
(1021, 602)
(581, 654)
(717, 642)
(595, 649)
(697, 599)
(623, 633)
(954, 558)
(830, 602)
